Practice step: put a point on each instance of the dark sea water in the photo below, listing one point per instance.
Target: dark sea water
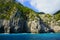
(27, 36)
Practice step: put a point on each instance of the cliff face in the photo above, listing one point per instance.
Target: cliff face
(19, 26)
(16, 18)
(24, 26)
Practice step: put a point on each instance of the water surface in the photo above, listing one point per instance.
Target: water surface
(27, 36)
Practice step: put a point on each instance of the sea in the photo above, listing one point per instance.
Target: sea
(30, 36)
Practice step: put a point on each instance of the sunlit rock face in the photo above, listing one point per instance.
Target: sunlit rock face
(6, 26)
(55, 25)
(34, 26)
(23, 26)
(11, 26)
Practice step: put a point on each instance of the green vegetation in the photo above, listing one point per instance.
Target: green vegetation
(57, 16)
(10, 7)
(7, 10)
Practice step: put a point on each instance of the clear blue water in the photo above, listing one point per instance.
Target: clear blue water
(47, 36)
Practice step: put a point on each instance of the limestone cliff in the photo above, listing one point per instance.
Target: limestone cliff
(16, 18)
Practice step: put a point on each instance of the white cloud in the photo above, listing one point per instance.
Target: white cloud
(47, 6)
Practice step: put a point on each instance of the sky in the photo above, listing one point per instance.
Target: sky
(46, 6)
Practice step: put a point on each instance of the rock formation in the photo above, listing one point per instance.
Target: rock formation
(16, 18)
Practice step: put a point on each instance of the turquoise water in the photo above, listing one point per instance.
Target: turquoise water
(47, 36)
